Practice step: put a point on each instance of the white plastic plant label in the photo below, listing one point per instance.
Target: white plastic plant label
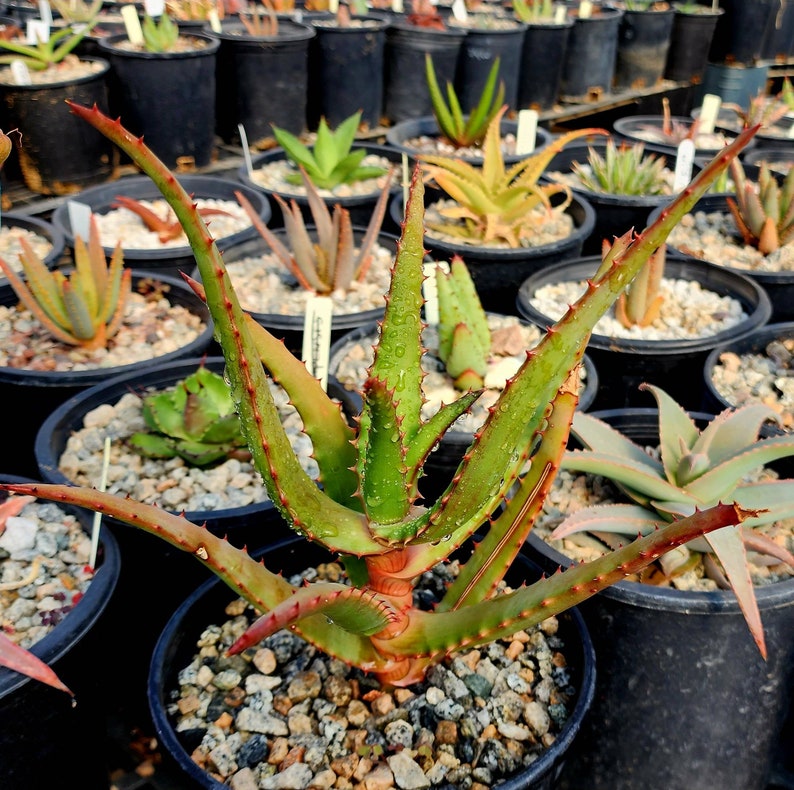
(585, 9)
(685, 158)
(397, 6)
(154, 7)
(37, 30)
(79, 218)
(45, 12)
(249, 165)
(459, 10)
(215, 22)
(333, 6)
(709, 111)
(527, 133)
(317, 337)
(560, 13)
(129, 13)
(20, 72)
(430, 289)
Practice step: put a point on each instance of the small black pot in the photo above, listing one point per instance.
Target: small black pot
(40, 392)
(359, 206)
(672, 664)
(177, 645)
(498, 272)
(46, 740)
(689, 43)
(643, 41)
(542, 62)
(782, 158)
(734, 83)
(165, 260)
(676, 365)
(743, 31)
(41, 227)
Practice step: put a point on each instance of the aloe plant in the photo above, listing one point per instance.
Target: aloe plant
(494, 204)
(44, 54)
(367, 509)
(77, 11)
(469, 129)
(622, 170)
(332, 262)
(83, 309)
(159, 35)
(533, 11)
(331, 161)
(259, 24)
(194, 420)
(695, 469)
(763, 213)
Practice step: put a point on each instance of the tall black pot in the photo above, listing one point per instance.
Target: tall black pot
(779, 45)
(743, 31)
(542, 62)
(676, 365)
(47, 741)
(689, 43)
(59, 154)
(345, 71)
(405, 91)
(167, 97)
(590, 57)
(681, 668)
(177, 646)
(643, 41)
(261, 81)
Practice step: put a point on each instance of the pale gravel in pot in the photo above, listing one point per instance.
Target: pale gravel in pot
(10, 246)
(69, 68)
(439, 146)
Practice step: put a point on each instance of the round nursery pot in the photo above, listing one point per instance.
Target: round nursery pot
(176, 572)
(177, 646)
(343, 64)
(360, 206)
(166, 260)
(167, 97)
(674, 364)
(39, 392)
(498, 272)
(689, 43)
(643, 41)
(734, 83)
(589, 65)
(778, 285)
(673, 664)
(82, 156)
(743, 31)
(614, 214)
(244, 97)
(46, 740)
(41, 227)
(777, 159)
(542, 62)
(405, 91)
(398, 136)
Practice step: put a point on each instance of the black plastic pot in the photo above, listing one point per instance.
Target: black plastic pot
(481, 47)
(397, 135)
(734, 83)
(165, 260)
(643, 41)
(167, 97)
(589, 65)
(177, 573)
(498, 272)
(542, 61)
(614, 214)
(345, 64)
(775, 135)
(359, 206)
(779, 45)
(47, 741)
(405, 91)
(778, 159)
(689, 43)
(675, 365)
(39, 392)
(177, 645)
(261, 81)
(743, 31)
(779, 286)
(681, 669)
(289, 328)
(82, 156)
(41, 227)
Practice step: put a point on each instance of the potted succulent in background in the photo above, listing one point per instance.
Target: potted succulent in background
(384, 539)
(690, 40)
(643, 41)
(687, 611)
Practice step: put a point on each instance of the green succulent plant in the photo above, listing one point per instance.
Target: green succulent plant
(332, 261)
(695, 469)
(622, 170)
(763, 213)
(534, 10)
(464, 339)
(77, 11)
(331, 160)
(464, 130)
(159, 35)
(368, 509)
(44, 54)
(83, 309)
(194, 420)
(494, 204)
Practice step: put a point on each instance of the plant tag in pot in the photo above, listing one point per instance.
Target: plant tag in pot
(20, 72)
(709, 111)
(132, 24)
(79, 218)
(249, 165)
(585, 9)
(397, 6)
(459, 10)
(317, 337)
(333, 6)
(45, 13)
(37, 30)
(560, 13)
(683, 164)
(215, 22)
(154, 7)
(527, 131)
(430, 289)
